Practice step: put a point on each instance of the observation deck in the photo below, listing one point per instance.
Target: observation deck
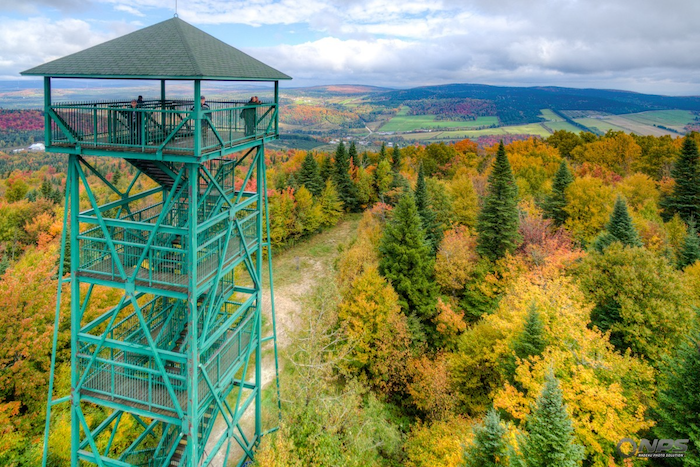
(161, 128)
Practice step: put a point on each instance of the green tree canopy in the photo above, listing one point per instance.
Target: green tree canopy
(406, 261)
(550, 441)
(497, 224)
(556, 202)
(309, 175)
(685, 198)
(489, 448)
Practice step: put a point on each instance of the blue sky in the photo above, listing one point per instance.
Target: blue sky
(646, 46)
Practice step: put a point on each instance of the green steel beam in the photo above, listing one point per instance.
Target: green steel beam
(57, 313)
(47, 121)
(192, 427)
(122, 202)
(173, 420)
(75, 306)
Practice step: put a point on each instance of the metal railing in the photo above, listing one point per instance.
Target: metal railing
(156, 125)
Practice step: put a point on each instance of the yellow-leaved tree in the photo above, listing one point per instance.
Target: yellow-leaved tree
(608, 394)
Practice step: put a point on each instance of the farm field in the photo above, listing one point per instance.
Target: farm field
(534, 129)
(550, 116)
(562, 125)
(676, 119)
(417, 122)
(601, 124)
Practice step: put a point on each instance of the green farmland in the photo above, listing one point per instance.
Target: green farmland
(403, 122)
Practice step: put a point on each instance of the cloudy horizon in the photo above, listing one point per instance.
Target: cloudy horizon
(645, 46)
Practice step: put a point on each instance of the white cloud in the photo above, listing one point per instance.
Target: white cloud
(31, 42)
(569, 42)
(129, 9)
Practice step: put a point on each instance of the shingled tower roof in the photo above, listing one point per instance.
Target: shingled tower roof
(172, 49)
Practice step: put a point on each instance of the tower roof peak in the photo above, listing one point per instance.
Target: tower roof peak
(172, 49)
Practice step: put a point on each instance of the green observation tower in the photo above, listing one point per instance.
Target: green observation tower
(176, 365)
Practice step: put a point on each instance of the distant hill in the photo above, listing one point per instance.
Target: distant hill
(339, 89)
(520, 105)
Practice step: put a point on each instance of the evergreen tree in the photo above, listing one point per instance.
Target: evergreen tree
(530, 342)
(690, 250)
(352, 154)
(382, 153)
(396, 159)
(46, 189)
(679, 399)
(685, 198)
(309, 175)
(433, 233)
(325, 168)
(498, 222)
(489, 448)
(550, 441)
(331, 206)
(406, 261)
(346, 188)
(292, 181)
(619, 229)
(556, 202)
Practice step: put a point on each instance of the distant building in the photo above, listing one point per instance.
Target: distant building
(37, 147)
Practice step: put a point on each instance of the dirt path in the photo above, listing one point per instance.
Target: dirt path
(295, 273)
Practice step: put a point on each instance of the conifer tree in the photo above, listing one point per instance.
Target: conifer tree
(406, 261)
(685, 198)
(550, 441)
(679, 398)
(433, 234)
(309, 175)
(690, 250)
(530, 342)
(489, 448)
(325, 168)
(556, 202)
(352, 154)
(292, 181)
(341, 175)
(396, 159)
(331, 206)
(619, 229)
(498, 222)
(382, 152)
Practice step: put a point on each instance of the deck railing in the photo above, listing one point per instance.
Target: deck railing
(159, 126)
(164, 262)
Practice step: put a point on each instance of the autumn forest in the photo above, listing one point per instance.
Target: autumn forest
(521, 304)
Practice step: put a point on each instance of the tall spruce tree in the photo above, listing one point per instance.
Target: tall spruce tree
(433, 233)
(497, 223)
(489, 448)
(685, 198)
(556, 202)
(679, 399)
(396, 159)
(382, 152)
(619, 229)
(529, 343)
(309, 175)
(352, 154)
(406, 261)
(690, 249)
(532, 340)
(550, 441)
(325, 168)
(341, 175)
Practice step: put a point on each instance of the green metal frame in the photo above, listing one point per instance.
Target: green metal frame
(176, 352)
